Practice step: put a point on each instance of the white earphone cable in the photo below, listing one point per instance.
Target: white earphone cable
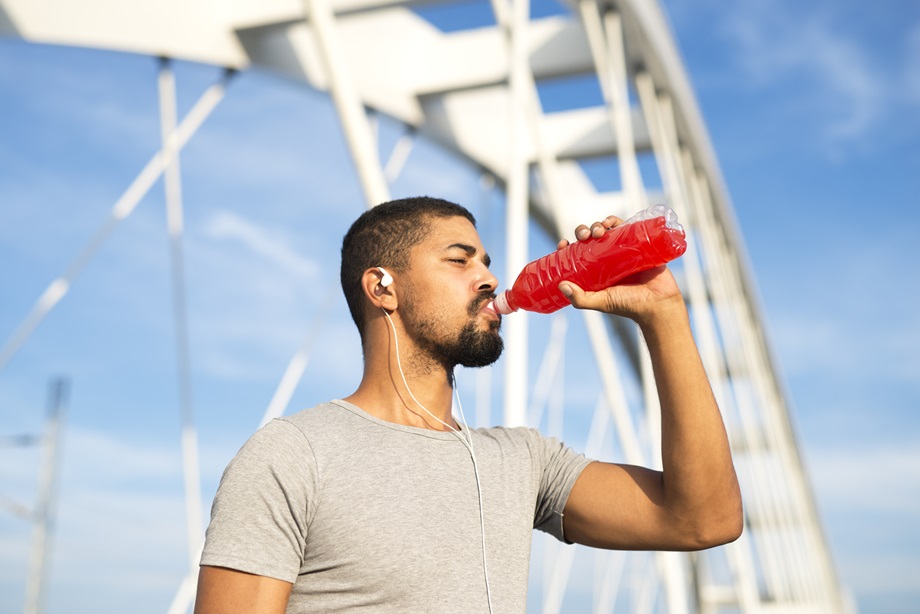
(467, 443)
(482, 514)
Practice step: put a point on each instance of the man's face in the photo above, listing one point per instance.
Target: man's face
(446, 288)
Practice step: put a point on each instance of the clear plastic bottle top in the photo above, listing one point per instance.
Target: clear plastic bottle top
(650, 238)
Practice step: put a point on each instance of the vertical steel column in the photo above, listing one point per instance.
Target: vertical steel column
(613, 387)
(739, 553)
(175, 223)
(608, 52)
(679, 163)
(798, 528)
(551, 364)
(764, 486)
(562, 565)
(618, 92)
(45, 512)
(664, 141)
(605, 38)
(524, 122)
(517, 206)
(777, 474)
(607, 584)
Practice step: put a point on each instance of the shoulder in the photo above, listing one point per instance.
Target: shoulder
(309, 420)
(524, 439)
(324, 426)
(286, 440)
(528, 445)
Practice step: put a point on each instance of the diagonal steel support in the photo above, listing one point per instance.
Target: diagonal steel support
(122, 209)
(348, 104)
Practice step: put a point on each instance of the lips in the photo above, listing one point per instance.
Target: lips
(489, 310)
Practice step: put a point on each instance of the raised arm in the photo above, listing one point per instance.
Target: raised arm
(225, 591)
(694, 502)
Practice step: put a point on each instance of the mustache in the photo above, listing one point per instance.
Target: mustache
(477, 303)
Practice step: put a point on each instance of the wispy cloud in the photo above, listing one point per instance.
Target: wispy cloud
(845, 311)
(875, 478)
(110, 486)
(911, 76)
(836, 76)
(873, 490)
(229, 226)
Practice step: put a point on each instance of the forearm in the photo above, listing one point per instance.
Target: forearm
(699, 487)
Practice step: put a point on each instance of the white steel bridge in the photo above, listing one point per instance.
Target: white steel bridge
(474, 92)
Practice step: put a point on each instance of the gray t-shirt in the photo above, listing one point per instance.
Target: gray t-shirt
(363, 515)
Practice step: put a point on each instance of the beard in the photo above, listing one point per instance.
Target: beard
(471, 347)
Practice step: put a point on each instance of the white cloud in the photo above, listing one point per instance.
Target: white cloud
(120, 521)
(263, 243)
(104, 459)
(869, 497)
(873, 478)
(893, 574)
(911, 77)
(256, 297)
(851, 314)
(835, 75)
(845, 345)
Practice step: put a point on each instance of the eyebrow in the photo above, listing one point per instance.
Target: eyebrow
(470, 251)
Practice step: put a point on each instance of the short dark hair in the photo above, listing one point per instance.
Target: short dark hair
(383, 236)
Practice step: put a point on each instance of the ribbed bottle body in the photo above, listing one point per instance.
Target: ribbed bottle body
(651, 238)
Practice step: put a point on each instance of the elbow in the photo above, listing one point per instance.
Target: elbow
(719, 533)
(718, 527)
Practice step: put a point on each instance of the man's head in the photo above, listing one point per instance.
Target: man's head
(383, 237)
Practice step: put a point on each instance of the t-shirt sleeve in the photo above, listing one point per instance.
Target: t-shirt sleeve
(561, 466)
(264, 504)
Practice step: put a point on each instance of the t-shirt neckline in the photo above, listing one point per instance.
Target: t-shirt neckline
(446, 435)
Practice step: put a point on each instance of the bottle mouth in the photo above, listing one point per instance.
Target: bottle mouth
(669, 215)
(500, 304)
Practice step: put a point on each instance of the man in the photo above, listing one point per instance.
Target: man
(382, 502)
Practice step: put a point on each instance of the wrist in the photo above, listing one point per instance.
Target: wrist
(663, 314)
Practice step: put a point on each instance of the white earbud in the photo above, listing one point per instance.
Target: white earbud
(387, 279)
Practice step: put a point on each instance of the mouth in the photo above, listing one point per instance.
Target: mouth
(489, 311)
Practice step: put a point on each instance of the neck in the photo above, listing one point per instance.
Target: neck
(405, 388)
(418, 402)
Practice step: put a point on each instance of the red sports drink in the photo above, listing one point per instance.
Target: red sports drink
(646, 240)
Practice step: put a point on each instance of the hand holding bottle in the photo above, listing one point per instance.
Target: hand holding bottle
(636, 297)
(608, 254)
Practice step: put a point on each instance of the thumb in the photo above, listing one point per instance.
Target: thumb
(572, 292)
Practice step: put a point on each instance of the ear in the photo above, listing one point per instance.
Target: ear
(380, 296)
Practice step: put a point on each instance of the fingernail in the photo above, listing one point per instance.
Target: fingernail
(566, 289)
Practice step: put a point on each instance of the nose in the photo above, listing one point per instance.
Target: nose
(488, 282)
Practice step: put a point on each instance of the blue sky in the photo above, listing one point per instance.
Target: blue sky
(814, 112)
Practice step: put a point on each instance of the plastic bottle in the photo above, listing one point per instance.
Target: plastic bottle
(648, 239)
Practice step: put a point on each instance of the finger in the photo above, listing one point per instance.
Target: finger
(563, 243)
(597, 229)
(611, 220)
(574, 293)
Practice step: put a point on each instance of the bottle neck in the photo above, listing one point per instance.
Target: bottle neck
(503, 303)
